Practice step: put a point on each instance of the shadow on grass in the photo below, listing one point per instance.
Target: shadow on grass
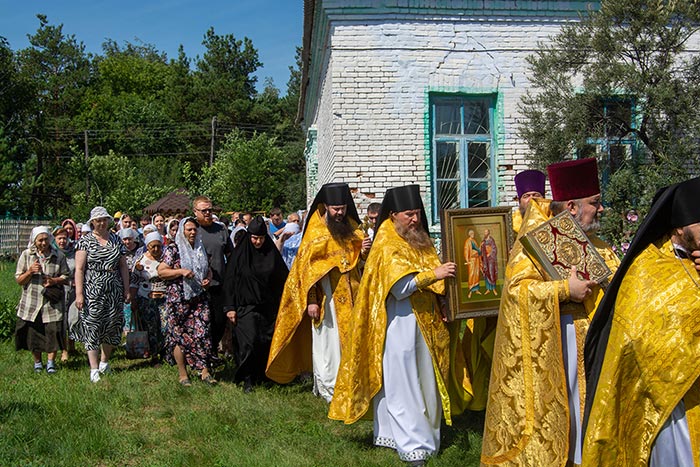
(462, 426)
(21, 409)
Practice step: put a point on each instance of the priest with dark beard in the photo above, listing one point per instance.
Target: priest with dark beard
(253, 286)
(315, 315)
(399, 356)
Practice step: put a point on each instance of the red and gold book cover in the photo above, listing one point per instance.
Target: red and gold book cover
(559, 244)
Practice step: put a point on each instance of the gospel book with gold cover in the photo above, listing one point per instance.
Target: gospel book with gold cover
(559, 244)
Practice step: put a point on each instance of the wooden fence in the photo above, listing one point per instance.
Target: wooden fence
(14, 235)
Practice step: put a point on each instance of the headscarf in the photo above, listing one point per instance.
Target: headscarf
(150, 227)
(128, 233)
(233, 234)
(152, 237)
(192, 258)
(167, 228)
(36, 231)
(75, 229)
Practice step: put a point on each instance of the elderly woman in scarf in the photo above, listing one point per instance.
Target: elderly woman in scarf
(130, 239)
(253, 286)
(148, 290)
(42, 271)
(186, 268)
(66, 246)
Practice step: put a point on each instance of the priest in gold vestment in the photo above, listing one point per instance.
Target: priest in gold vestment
(537, 385)
(399, 359)
(315, 315)
(528, 184)
(642, 353)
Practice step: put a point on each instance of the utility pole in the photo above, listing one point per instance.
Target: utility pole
(213, 140)
(87, 168)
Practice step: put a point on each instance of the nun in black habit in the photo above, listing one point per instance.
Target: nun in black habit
(253, 286)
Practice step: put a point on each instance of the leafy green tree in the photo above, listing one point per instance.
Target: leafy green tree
(224, 84)
(59, 70)
(125, 110)
(119, 183)
(622, 73)
(249, 173)
(15, 99)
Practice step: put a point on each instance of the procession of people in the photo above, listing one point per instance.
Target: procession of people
(581, 373)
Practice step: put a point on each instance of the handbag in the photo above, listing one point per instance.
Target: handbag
(53, 293)
(136, 341)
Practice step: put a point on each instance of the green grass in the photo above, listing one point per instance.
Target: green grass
(140, 416)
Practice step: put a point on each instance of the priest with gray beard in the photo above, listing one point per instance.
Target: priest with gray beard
(398, 359)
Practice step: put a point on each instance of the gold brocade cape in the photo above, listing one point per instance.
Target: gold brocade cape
(360, 374)
(319, 254)
(651, 361)
(527, 412)
(517, 220)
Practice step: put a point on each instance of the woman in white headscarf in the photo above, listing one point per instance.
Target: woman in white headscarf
(130, 239)
(42, 271)
(148, 292)
(171, 226)
(101, 289)
(185, 265)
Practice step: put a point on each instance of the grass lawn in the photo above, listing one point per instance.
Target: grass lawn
(140, 416)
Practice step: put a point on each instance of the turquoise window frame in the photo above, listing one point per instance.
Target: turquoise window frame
(462, 140)
(604, 143)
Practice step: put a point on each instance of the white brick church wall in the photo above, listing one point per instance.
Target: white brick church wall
(372, 111)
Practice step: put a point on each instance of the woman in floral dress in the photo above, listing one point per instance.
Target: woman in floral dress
(148, 294)
(185, 265)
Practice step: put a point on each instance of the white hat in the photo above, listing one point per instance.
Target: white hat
(98, 212)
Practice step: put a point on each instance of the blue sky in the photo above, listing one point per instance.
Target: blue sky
(274, 26)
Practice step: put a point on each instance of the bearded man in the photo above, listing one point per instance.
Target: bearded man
(529, 184)
(399, 357)
(643, 394)
(537, 384)
(315, 315)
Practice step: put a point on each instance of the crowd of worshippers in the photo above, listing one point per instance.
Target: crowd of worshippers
(571, 372)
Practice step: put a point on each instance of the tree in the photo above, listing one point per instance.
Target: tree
(619, 85)
(15, 100)
(59, 70)
(223, 82)
(250, 174)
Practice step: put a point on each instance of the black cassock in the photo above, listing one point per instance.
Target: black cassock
(253, 287)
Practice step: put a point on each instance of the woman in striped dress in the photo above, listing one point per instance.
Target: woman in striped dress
(101, 289)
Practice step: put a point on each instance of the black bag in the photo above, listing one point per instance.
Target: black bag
(54, 293)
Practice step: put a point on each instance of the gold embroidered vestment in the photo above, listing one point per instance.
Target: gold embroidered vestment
(319, 254)
(360, 374)
(651, 361)
(527, 413)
